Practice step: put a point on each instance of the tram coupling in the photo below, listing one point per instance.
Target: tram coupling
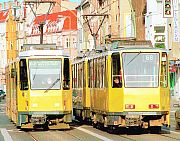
(38, 119)
(133, 120)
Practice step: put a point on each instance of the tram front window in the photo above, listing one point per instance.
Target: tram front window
(141, 69)
(45, 74)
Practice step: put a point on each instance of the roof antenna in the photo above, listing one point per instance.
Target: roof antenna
(41, 24)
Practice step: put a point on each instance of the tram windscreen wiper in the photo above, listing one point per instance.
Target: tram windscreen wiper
(133, 59)
(34, 76)
(54, 83)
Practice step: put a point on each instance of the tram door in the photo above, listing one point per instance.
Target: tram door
(116, 71)
(23, 86)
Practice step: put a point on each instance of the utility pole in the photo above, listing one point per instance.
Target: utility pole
(94, 34)
(41, 23)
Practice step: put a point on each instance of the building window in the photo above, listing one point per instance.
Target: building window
(159, 36)
(67, 43)
(74, 43)
(164, 71)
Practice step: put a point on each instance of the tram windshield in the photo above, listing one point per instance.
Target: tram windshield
(141, 69)
(45, 74)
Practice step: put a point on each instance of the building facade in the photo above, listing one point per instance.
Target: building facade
(124, 21)
(7, 37)
(156, 24)
(60, 28)
(3, 56)
(60, 24)
(164, 32)
(173, 25)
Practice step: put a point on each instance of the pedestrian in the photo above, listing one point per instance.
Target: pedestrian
(117, 83)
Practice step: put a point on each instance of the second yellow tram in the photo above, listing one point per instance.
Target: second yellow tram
(127, 87)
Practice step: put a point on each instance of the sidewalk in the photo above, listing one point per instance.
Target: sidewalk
(174, 100)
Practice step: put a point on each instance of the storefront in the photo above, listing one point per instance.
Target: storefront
(175, 78)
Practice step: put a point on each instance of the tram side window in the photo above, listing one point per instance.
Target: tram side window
(164, 73)
(75, 76)
(72, 76)
(116, 71)
(23, 75)
(105, 72)
(90, 73)
(95, 73)
(66, 81)
(84, 74)
(80, 75)
(98, 74)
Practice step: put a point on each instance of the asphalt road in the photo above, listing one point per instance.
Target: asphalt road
(8, 132)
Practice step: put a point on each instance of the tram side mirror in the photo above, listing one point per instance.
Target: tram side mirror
(13, 72)
(176, 105)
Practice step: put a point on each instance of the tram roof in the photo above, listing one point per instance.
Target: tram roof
(96, 54)
(29, 50)
(30, 53)
(140, 49)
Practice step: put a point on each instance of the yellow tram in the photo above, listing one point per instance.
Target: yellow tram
(81, 91)
(127, 87)
(39, 93)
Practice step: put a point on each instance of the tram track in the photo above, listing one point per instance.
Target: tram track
(32, 136)
(123, 136)
(169, 137)
(149, 137)
(66, 132)
(74, 136)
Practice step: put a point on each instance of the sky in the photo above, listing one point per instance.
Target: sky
(8, 0)
(22, 0)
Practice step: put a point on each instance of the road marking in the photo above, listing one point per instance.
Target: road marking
(171, 131)
(6, 135)
(93, 134)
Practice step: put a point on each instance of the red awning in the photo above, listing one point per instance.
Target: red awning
(172, 69)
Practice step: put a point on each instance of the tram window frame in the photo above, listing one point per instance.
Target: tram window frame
(80, 75)
(75, 75)
(106, 72)
(89, 73)
(116, 76)
(72, 76)
(84, 74)
(66, 74)
(101, 72)
(15, 77)
(23, 75)
(98, 73)
(164, 67)
(95, 73)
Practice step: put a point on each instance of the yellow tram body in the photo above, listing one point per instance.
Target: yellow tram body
(39, 92)
(143, 96)
(81, 91)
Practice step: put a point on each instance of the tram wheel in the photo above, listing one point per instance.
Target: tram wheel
(94, 125)
(177, 125)
(45, 126)
(111, 129)
(155, 129)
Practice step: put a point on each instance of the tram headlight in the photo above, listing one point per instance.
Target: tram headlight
(34, 105)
